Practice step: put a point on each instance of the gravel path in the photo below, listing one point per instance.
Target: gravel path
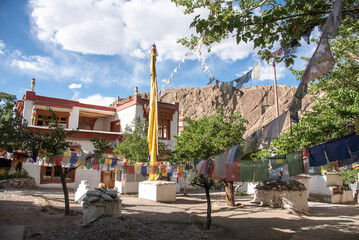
(41, 211)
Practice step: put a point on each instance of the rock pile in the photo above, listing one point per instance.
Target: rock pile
(101, 202)
(18, 183)
(292, 185)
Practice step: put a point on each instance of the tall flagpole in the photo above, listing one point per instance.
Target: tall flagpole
(275, 88)
(153, 116)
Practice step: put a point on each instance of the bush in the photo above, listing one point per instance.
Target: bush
(18, 174)
(350, 175)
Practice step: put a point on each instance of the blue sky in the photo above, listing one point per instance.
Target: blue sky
(94, 51)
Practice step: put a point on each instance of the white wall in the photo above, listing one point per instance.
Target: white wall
(318, 185)
(34, 171)
(93, 177)
(28, 104)
(171, 143)
(100, 125)
(86, 145)
(127, 115)
(74, 118)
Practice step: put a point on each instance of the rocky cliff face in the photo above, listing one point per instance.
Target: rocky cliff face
(256, 103)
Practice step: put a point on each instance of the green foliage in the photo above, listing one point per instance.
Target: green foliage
(336, 101)
(18, 174)
(100, 145)
(135, 145)
(262, 22)
(12, 126)
(350, 175)
(209, 136)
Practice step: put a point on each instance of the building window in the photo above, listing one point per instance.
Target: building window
(52, 175)
(164, 129)
(43, 116)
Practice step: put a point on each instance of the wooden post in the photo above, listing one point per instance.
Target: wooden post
(275, 89)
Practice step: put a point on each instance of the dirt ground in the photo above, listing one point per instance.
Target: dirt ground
(41, 211)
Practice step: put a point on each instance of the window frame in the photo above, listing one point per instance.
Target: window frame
(52, 177)
(161, 132)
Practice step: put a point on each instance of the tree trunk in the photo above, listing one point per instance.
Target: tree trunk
(64, 188)
(229, 193)
(207, 186)
(185, 186)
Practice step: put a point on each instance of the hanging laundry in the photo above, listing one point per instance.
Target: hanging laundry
(331, 26)
(250, 143)
(278, 161)
(246, 171)
(290, 48)
(143, 169)
(321, 62)
(261, 170)
(285, 174)
(227, 87)
(233, 170)
(317, 156)
(307, 33)
(276, 127)
(295, 163)
(256, 73)
(211, 79)
(244, 79)
(296, 103)
(337, 149)
(234, 154)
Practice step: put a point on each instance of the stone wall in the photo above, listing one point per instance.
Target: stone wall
(18, 183)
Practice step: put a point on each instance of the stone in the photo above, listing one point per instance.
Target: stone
(94, 193)
(112, 193)
(106, 197)
(92, 199)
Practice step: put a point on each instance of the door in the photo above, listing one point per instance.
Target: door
(108, 178)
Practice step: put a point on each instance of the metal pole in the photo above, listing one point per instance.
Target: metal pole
(275, 89)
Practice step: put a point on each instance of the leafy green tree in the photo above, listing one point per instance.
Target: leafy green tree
(53, 142)
(264, 22)
(336, 104)
(12, 125)
(135, 144)
(100, 145)
(206, 138)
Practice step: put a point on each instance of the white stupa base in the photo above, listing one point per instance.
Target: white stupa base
(159, 191)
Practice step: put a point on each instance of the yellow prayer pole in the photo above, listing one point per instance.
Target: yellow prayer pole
(153, 118)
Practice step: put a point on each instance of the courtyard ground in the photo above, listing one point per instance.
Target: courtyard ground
(41, 212)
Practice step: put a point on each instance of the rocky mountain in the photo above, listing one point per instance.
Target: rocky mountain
(256, 103)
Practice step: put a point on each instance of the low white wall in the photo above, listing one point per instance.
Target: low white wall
(93, 177)
(283, 199)
(333, 179)
(318, 185)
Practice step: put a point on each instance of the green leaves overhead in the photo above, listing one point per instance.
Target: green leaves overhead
(265, 22)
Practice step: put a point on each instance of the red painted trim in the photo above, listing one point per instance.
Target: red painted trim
(86, 135)
(64, 102)
(52, 105)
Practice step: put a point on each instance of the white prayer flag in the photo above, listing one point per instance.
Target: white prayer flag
(256, 73)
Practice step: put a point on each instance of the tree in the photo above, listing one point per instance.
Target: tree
(12, 125)
(135, 146)
(53, 142)
(337, 103)
(265, 22)
(100, 145)
(206, 138)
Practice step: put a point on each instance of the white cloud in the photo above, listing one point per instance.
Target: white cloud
(122, 27)
(2, 46)
(75, 86)
(33, 63)
(97, 99)
(229, 50)
(86, 80)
